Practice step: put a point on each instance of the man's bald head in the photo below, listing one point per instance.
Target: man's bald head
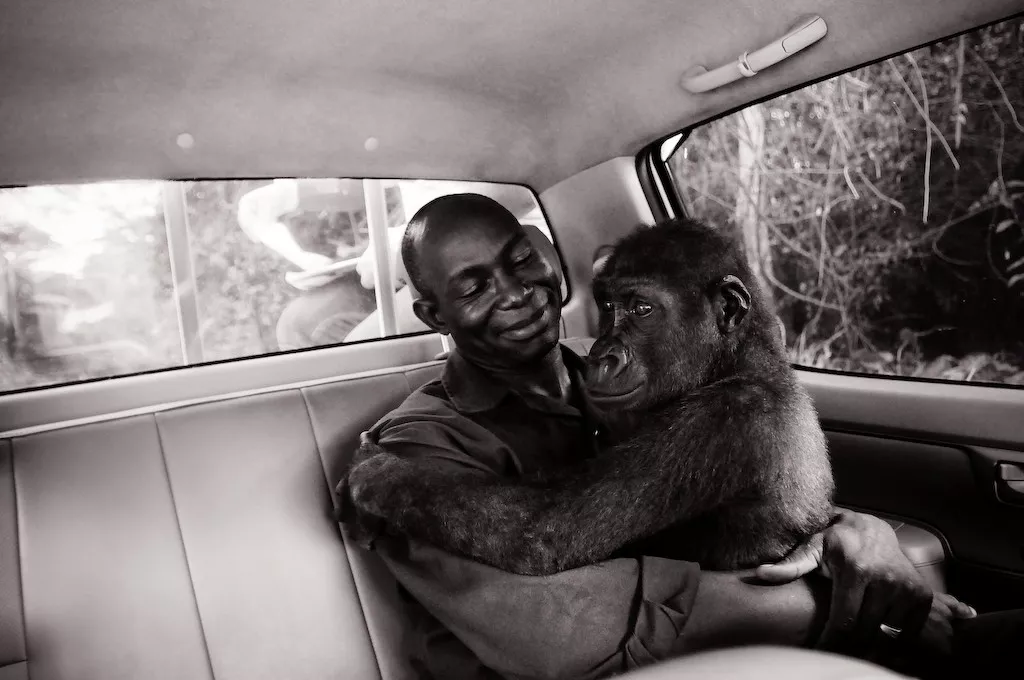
(482, 281)
(445, 214)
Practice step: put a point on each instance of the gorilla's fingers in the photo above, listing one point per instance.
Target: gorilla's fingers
(804, 559)
(370, 484)
(367, 449)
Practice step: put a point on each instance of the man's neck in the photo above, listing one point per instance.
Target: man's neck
(547, 376)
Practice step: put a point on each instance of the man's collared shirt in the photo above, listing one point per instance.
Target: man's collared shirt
(584, 623)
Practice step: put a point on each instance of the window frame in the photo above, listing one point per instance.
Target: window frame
(666, 203)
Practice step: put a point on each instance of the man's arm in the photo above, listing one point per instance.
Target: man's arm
(591, 621)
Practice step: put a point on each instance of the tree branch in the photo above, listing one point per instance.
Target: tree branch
(1002, 92)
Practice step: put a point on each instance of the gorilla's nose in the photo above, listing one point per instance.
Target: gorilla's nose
(606, 365)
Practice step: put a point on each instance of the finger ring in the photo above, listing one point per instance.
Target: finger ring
(891, 631)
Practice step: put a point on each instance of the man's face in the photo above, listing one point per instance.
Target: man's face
(493, 291)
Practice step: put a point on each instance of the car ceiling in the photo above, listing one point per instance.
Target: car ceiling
(531, 91)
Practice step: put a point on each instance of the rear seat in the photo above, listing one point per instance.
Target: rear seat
(198, 542)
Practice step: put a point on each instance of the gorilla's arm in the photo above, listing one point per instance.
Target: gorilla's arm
(579, 514)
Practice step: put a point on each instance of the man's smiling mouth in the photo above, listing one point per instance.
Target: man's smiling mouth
(529, 327)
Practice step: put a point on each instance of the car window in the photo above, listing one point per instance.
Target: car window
(111, 278)
(883, 209)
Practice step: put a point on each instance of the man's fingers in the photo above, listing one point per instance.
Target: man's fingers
(907, 615)
(802, 561)
(847, 596)
(959, 609)
(790, 569)
(877, 608)
(904, 619)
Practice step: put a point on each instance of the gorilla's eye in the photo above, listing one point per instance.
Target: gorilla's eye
(641, 309)
(608, 306)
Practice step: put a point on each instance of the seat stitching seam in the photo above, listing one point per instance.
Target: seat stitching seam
(181, 539)
(341, 534)
(21, 562)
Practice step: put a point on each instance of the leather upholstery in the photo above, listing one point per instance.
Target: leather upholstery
(12, 633)
(15, 671)
(105, 580)
(272, 582)
(337, 439)
(924, 549)
(200, 542)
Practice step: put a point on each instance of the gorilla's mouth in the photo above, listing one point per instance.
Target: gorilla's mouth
(605, 397)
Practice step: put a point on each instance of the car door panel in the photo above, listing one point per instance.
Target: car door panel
(948, 488)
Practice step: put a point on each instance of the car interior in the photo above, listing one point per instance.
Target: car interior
(178, 521)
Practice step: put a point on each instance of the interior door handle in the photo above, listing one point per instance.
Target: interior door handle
(1010, 481)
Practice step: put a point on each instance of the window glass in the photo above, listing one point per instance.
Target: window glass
(884, 209)
(111, 278)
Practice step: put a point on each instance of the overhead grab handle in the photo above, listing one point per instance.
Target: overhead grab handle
(804, 33)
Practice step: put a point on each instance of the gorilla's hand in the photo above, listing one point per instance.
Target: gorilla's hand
(360, 504)
(372, 483)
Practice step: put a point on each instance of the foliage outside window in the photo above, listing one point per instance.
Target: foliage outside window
(87, 288)
(884, 209)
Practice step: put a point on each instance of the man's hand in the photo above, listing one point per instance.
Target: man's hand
(873, 584)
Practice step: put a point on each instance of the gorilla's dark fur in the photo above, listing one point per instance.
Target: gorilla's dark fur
(718, 456)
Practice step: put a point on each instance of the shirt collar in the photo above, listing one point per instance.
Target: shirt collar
(473, 390)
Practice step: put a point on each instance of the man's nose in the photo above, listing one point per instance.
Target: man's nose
(512, 291)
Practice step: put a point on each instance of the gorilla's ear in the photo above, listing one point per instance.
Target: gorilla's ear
(601, 256)
(732, 302)
(425, 310)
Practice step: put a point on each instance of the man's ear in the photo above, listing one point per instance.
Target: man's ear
(425, 310)
(732, 302)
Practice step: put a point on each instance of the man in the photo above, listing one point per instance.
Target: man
(509, 402)
(329, 302)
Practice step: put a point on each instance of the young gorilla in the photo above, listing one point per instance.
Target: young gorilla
(716, 454)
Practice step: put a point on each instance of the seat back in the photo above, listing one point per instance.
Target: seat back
(197, 542)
